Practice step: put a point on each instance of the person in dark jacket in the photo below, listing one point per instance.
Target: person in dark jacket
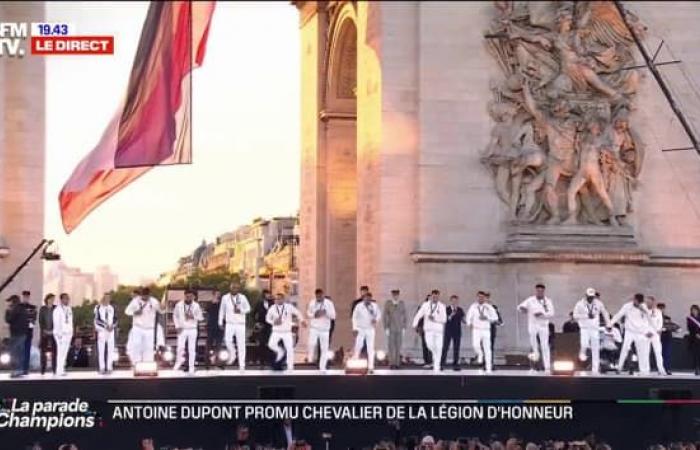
(453, 331)
(47, 344)
(31, 314)
(262, 329)
(78, 354)
(669, 327)
(693, 323)
(17, 318)
(214, 334)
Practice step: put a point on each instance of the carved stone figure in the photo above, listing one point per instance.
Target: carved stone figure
(561, 63)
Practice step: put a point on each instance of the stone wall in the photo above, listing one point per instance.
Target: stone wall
(21, 159)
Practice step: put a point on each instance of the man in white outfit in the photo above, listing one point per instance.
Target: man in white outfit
(232, 317)
(587, 312)
(480, 316)
(320, 312)
(656, 320)
(62, 332)
(105, 323)
(434, 315)
(364, 320)
(539, 310)
(637, 330)
(186, 316)
(281, 316)
(143, 309)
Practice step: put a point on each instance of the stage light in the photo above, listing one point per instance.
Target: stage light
(380, 355)
(534, 356)
(223, 355)
(168, 355)
(146, 369)
(5, 359)
(356, 366)
(563, 367)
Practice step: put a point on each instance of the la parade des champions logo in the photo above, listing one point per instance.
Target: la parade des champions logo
(46, 415)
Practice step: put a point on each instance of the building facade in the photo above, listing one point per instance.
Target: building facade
(397, 115)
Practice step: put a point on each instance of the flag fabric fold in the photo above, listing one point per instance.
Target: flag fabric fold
(152, 126)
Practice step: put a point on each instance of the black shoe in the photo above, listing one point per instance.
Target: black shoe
(456, 368)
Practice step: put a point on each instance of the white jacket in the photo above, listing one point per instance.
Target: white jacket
(656, 319)
(636, 318)
(180, 315)
(596, 307)
(322, 323)
(286, 312)
(434, 316)
(534, 306)
(104, 316)
(475, 312)
(227, 309)
(62, 321)
(364, 314)
(149, 308)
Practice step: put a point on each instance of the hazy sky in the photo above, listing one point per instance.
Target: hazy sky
(246, 136)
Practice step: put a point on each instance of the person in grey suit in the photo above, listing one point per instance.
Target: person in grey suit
(394, 326)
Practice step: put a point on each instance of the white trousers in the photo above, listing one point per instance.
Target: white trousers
(656, 347)
(368, 337)
(590, 339)
(141, 345)
(105, 350)
(434, 341)
(481, 338)
(62, 346)
(186, 337)
(287, 339)
(322, 337)
(236, 330)
(641, 344)
(543, 334)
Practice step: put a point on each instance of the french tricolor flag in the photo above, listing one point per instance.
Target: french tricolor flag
(153, 125)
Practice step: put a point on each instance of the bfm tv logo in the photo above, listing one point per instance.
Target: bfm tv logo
(46, 39)
(12, 38)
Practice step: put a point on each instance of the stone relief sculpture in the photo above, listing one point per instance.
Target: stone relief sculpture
(562, 149)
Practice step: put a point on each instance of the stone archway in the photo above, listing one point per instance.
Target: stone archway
(328, 253)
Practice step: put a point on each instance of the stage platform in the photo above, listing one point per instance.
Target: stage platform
(307, 384)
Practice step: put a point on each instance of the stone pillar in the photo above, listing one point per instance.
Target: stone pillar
(22, 159)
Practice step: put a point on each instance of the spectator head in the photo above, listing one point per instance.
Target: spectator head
(427, 443)
(242, 433)
(147, 444)
(695, 310)
(25, 296)
(49, 299)
(68, 447)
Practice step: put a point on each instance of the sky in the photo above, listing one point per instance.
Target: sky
(246, 152)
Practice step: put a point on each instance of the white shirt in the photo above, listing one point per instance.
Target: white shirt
(364, 314)
(583, 309)
(227, 312)
(474, 313)
(656, 319)
(322, 323)
(434, 316)
(186, 316)
(62, 320)
(636, 318)
(286, 312)
(104, 316)
(149, 308)
(534, 306)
